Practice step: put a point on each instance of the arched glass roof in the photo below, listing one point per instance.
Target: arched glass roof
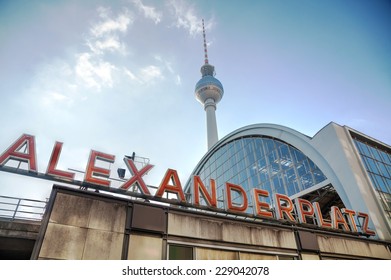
(260, 162)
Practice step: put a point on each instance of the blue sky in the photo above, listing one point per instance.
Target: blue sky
(119, 76)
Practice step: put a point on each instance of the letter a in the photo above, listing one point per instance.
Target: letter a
(13, 152)
(176, 188)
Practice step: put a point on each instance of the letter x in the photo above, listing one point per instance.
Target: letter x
(137, 174)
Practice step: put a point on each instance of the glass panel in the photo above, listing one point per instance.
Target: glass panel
(306, 180)
(364, 149)
(319, 176)
(293, 188)
(285, 157)
(259, 148)
(383, 169)
(372, 165)
(301, 169)
(381, 184)
(307, 166)
(385, 158)
(388, 168)
(375, 153)
(279, 184)
(298, 156)
(177, 252)
(269, 145)
(290, 178)
(255, 180)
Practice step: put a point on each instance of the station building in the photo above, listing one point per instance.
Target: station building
(339, 168)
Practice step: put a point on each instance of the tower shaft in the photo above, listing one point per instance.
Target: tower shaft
(211, 123)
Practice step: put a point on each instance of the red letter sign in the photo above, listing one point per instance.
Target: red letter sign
(302, 213)
(337, 219)
(238, 189)
(319, 218)
(92, 170)
(261, 209)
(13, 152)
(199, 187)
(136, 179)
(281, 209)
(364, 227)
(53, 164)
(176, 188)
(349, 216)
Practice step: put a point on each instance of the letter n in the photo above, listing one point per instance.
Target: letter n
(199, 187)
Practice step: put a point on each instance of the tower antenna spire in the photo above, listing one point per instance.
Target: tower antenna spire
(205, 48)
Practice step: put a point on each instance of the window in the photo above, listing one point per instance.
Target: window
(377, 163)
(179, 252)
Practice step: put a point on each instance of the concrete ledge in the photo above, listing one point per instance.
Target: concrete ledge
(19, 229)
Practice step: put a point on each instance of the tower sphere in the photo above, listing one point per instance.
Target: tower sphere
(208, 87)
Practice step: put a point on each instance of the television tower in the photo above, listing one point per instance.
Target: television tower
(209, 91)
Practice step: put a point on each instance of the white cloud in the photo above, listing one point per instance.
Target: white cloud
(146, 75)
(110, 25)
(68, 81)
(178, 80)
(105, 35)
(168, 65)
(130, 74)
(95, 74)
(54, 83)
(150, 74)
(92, 68)
(186, 17)
(110, 43)
(50, 98)
(148, 11)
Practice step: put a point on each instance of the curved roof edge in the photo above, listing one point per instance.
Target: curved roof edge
(274, 130)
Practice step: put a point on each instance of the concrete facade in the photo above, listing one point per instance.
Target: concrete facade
(87, 225)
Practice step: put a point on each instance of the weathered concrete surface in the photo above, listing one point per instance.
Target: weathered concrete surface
(84, 228)
(353, 247)
(17, 238)
(19, 229)
(226, 231)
